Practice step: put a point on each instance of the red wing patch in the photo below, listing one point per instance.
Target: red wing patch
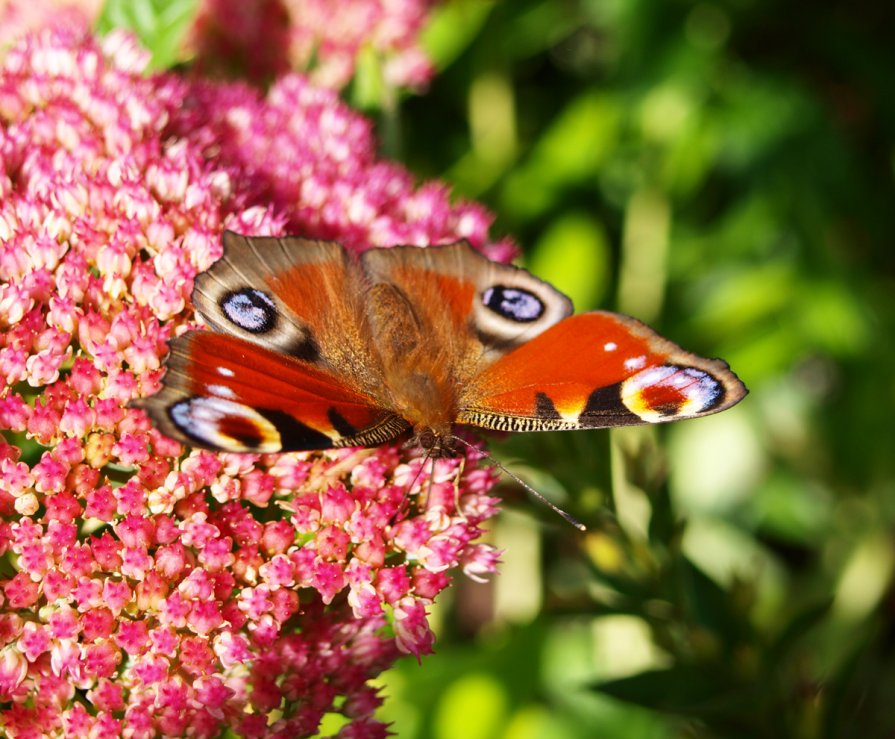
(228, 394)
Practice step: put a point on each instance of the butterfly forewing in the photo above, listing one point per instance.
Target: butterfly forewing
(298, 296)
(597, 370)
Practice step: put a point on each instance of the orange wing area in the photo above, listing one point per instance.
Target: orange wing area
(228, 394)
(596, 370)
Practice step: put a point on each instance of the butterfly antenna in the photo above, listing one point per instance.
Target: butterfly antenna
(416, 477)
(429, 455)
(569, 518)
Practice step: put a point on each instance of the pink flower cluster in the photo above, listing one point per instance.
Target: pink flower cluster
(337, 33)
(267, 37)
(150, 589)
(18, 17)
(264, 39)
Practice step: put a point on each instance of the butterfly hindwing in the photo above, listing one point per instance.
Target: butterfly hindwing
(597, 370)
(227, 394)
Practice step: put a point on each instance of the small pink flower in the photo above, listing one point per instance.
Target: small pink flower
(205, 617)
(412, 632)
(131, 449)
(107, 696)
(35, 640)
(56, 585)
(63, 623)
(392, 583)
(65, 657)
(328, 579)
(278, 572)
(429, 584)
(13, 669)
(101, 659)
(12, 364)
(151, 670)
(97, 623)
(116, 595)
(77, 419)
(43, 423)
(15, 477)
(100, 503)
(15, 302)
(20, 591)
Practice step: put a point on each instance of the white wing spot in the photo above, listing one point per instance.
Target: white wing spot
(221, 391)
(635, 363)
(225, 372)
(610, 346)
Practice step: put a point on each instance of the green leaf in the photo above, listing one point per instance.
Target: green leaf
(709, 605)
(368, 87)
(160, 25)
(452, 27)
(682, 689)
(794, 631)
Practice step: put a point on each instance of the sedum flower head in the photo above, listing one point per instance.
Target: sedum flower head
(156, 590)
(266, 37)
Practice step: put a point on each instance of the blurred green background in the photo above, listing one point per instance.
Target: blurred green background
(723, 171)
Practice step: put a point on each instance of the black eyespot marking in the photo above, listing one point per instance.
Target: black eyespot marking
(295, 435)
(513, 303)
(223, 425)
(307, 350)
(340, 423)
(247, 433)
(217, 422)
(604, 401)
(250, 310)
(545, 409)
(604, 409)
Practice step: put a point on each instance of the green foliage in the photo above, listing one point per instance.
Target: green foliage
(724, 171)
(161, 25)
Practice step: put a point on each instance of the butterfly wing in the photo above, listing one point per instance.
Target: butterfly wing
(597, 370)
(298, 296)
(227, 394)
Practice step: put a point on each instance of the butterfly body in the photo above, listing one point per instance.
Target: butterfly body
(416, 381)
(312, 348)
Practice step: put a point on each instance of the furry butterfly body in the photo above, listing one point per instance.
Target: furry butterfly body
(312, 348)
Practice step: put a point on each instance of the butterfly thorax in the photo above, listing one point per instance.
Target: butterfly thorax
(418, 380)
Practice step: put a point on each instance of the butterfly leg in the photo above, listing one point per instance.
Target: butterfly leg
(460, 470)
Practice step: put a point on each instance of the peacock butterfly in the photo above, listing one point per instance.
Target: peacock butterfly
(312, 348)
